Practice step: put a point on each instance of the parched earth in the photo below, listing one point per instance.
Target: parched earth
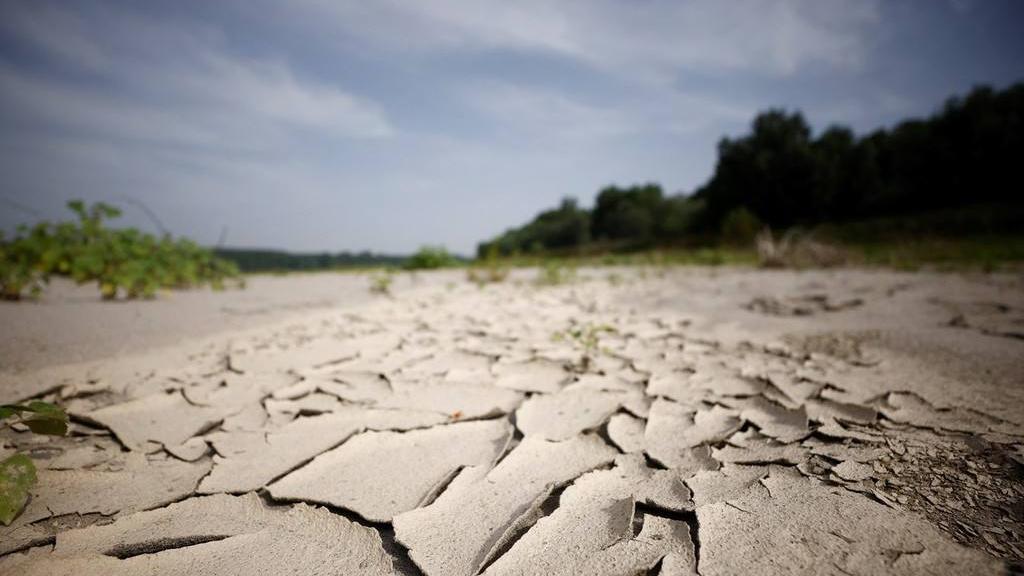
(632, 422)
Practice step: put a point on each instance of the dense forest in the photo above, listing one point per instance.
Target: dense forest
(966, 155)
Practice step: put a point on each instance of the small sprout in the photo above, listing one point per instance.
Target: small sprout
(482, 276)
(380, 283)
(586, 338)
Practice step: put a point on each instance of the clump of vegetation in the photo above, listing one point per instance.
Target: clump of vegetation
(554, 274)
(380, 282)
(481, 275)
(122, 262)
(20, 270)
(490, 271)
(17, 472)
(587, 339)
(740, 227)
(430, 258)
(797, 250)
(784, 175)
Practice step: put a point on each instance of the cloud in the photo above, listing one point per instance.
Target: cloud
(541, 113)
(335, 124)
(536, 111)
(128, 78)
(650, 40)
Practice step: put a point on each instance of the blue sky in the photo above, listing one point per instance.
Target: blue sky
(388, 124)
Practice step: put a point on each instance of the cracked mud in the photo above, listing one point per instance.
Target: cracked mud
(721, 422)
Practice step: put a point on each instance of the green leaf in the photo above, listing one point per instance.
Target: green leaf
(46, 426)
(46, 408)
(7, 412)
(46, 418)
(17, 475)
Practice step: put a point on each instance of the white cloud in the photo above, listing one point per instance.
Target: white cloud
(60, 34)
(136, 79)
(650, 40)
(538, 111)
(261, 105)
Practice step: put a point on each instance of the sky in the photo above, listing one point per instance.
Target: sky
(330, 125)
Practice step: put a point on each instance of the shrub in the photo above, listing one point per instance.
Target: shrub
(430, 258)
(124, 262)
(490, 271)
(740, 226)
(380, 282)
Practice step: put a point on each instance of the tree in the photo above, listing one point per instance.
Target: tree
(564, 227)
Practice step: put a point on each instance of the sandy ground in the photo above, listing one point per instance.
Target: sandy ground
(71, 323)
(632, 421)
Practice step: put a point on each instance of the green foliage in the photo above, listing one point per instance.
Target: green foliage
(278, 261)
(380, 282)
(40, 417)
(21, 271)
(630, 214)
(553, 273)
(740, 227)
(564, 227)
(17, 472)
(782, 176)
(490, 271)
(122, 262)
(17, 475)
(965, 154)
(586, 338)
(430, 258)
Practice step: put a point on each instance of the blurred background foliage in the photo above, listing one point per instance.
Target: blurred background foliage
(956, 173)
(122, 262)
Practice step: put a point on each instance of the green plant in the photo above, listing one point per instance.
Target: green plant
(430, 258)
(586, 338)
(380, 282)
(17, 472)
(20, 269)
(490, 271)
(740, 227)
(554, 274)
(125, 262)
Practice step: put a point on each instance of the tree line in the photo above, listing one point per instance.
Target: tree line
(257, 260)
(780, 175)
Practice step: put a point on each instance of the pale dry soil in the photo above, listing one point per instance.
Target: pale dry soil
(671, 421)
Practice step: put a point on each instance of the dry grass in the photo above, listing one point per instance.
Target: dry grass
(797, 250)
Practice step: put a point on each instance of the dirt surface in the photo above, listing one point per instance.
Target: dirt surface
(676, 421)
(70, 323)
